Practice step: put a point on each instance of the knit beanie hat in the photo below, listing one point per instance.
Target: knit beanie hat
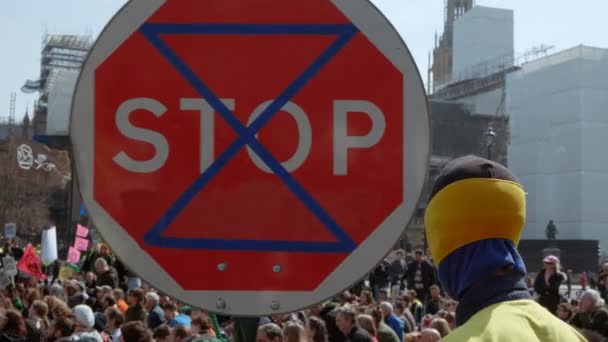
(84, 315)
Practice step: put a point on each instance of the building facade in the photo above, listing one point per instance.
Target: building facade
(558, 121)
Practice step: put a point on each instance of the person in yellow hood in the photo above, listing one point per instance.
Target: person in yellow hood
(473, 225)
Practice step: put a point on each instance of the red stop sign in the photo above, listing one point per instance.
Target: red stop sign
(250, 156)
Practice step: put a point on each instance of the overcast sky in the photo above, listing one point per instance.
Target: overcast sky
(23, 23)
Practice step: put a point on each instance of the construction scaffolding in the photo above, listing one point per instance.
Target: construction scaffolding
(487, 75)
(61, 52)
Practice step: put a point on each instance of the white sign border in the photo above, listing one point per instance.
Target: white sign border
(382, 34)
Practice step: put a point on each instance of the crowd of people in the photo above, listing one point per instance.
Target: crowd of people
(473, 288)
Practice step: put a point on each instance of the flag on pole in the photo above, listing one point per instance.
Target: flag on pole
(30, 263)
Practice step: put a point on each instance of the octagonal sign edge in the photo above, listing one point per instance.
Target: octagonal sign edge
(371, 23)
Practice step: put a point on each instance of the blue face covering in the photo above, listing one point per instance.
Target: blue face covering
(476, 261)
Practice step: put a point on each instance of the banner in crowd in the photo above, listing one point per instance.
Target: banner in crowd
(49, 245)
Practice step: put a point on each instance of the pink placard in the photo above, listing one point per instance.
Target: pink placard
(81, 244)
(73, 255)
(82, 231)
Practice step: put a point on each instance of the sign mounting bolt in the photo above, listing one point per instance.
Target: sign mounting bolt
(221, 304)
(222, 266)
(276, 268)
(275, 305)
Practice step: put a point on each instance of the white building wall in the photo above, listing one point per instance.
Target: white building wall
(482, 34)
(558, 108)
(59, 103)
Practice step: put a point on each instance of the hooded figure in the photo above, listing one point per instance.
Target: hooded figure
(473, 225)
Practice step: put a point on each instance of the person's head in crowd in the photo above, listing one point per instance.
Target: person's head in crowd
(90, 279)
(76, 299)
(201, 324)
(495, 198)
(411, 337)
(85, 319)
(419, 255)
(71, 288)
(451, 305)
(170, 311)
(114, 318)
(293, 332)
(367, 323)
(551, 263)
(14, 323)
(346, 319)
(180, 333)
(38, 309)
(429, 335)
(377, 315)
(119, 294)
(574, 303)
(435, 292)
(316, 310)
(316, 330)
(101, 266)
(60, 310)
(426, 320)
(366, 298)
(135, 331)
(107, 301)
(344, 298)
(399, 308)
(382, 295)
(135, 297)
(565, 311)
(152, 300)
(590, 300)
(269, 332)
(32, 294)
(60, 328)
(186, 310)
(410, 296)
(387, 309)
(104, 250)
(399, 254)
(104, 291)
(451, 319)
(162, 333)
(57, 291)
(441, 325)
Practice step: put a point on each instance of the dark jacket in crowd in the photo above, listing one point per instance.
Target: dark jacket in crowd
(109, 278)
(379, 276)
(156, 317)
(397, 271)
(359, 335)
(549, 296)
(428, 277)
(136, 313)
(596, 320)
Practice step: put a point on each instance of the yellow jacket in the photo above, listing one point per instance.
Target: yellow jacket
(519, 320)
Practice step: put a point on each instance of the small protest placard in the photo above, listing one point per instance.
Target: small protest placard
(65, 273)
(10, 230)
(81, 244)
(10, 266)
(5, 280)
(82, 231)
(73, 255)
